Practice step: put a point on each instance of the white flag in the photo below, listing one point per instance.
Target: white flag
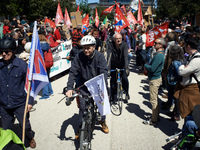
(97, 88)
(134, 5)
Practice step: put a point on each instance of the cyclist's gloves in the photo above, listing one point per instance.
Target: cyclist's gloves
(108, 72)
(127, 71)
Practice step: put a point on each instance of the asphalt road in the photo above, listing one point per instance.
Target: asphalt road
(54, 124)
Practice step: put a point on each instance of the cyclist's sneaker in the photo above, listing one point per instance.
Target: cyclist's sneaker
(104, 126)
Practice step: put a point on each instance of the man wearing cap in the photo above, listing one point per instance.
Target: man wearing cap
(86, 65)
(12, 93)
(57, 35)
(76, 34)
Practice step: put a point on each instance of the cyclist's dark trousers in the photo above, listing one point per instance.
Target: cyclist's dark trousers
(7, 118)
(82, 109)
(113, 84)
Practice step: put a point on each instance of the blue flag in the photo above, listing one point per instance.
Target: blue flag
(36, 71)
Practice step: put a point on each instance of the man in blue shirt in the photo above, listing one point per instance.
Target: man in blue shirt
(154, 75)
(12, 93)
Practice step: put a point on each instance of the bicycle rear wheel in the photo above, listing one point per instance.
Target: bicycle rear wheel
(85, 136)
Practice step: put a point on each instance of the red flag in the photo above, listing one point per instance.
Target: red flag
(155, 33)
(131, 18)
(81, 11)
(96, 19)
(119, 16)
(67, 19)
(77, 8)
(107, 10)
(140, 17)
(85, 21)
(51, 23)
(59, 15)
(123, 8)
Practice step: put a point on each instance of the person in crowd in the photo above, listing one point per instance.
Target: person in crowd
(12, 93)
(21, 44)
(57, 35)
(6, 26)
(47, 91)
(76, 34)
(188, 91)
(141, 52)
(176, 58)
(26, 53)
(103, 33)
(170, 40)
(117, 57)
(14, 22)
(95, 33)
(154, 75)
(86, 65)
(125, 38)
(50, 38)
(75, 50)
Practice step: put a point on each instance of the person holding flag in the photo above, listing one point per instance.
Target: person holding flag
(87, 65)
(12, 94)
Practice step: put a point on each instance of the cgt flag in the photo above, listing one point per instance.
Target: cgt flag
(85, 20)
(67, 19)
(97, 88)
(155, 33)
(130, 18)
(119, 16)
(107, 10)
(36, 71)
(51, 23)
(59, 15)
(96, 19)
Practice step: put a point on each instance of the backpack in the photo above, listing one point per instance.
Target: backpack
(48, 58)
(173, 76)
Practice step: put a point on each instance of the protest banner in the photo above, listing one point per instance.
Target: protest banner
(59, 64)
(75, 18)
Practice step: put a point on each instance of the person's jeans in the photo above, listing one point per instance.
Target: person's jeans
(189, 126)
(153, 90)
(47, 90)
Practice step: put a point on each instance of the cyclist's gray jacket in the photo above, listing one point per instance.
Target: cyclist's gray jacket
(84, 69)
(119, 58)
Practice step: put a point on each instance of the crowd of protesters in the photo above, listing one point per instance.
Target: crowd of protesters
(171, 64)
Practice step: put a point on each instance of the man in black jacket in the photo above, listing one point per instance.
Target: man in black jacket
(86, 65)
(117, 57)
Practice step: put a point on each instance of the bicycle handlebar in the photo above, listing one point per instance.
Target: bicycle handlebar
(118, 70)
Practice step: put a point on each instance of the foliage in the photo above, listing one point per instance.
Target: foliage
(34, 9)
(83, 5)
(177, 8)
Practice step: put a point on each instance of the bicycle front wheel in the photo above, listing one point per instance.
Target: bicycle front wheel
(119, 97)
(85, 136)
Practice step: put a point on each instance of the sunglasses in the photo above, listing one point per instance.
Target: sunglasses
(157, 43)
(4, 51)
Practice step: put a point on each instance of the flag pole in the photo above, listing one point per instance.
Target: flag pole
(25, 111)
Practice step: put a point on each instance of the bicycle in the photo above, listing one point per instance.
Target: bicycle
(188, 142)
(90, 116)
(119, 89)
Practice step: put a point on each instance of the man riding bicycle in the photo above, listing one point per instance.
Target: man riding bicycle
(117, 56)
(86, 65)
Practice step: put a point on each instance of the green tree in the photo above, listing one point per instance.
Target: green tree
(177, 8)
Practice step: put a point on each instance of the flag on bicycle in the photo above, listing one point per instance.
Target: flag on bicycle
(36, 70)
(97, 88)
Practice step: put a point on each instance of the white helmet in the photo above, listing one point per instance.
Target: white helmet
(88, 40)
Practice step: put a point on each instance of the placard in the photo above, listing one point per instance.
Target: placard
(75, 18)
